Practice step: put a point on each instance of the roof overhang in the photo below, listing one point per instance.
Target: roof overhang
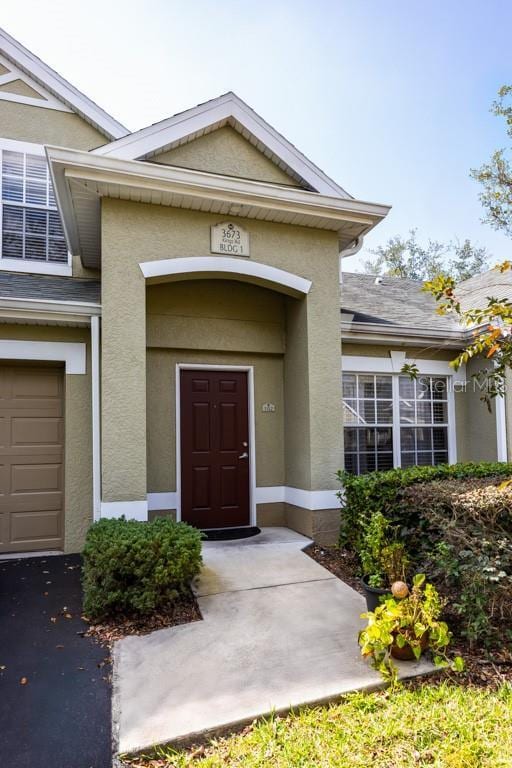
(81, 179)
(231, 110)
(378, 333)
(59, 87)
(47, 311)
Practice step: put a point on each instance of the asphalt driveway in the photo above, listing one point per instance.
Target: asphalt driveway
(54, 683)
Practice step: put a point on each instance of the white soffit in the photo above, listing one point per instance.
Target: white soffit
(81, 179)
(226, 109)
(55, 86)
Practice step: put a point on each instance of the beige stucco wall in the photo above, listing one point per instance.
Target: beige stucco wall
(476, 427)
(41, 125)
(78, 432)
(215, 314)
(133, 233)
(225, 151)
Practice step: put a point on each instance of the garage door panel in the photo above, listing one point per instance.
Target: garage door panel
(33, 431)
(36, 384)
(39, 526)
(31, 458)
(35, 477)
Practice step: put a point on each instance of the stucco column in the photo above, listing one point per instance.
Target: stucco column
(123, 377)
(313, 409)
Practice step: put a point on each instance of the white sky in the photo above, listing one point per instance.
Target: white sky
(389, 98)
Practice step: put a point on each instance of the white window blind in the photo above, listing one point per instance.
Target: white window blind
(31, 226)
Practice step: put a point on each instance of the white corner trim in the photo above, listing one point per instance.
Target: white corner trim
(158, 501)
(501, 429)
(225, 265)
(131, 510)
(71, 353)
(363, 364)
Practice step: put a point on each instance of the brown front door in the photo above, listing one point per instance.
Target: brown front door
(31, 458)
(214, 448)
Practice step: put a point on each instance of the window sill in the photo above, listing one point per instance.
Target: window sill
(35, 267)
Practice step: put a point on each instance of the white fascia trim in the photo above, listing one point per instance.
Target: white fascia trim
(60, 87)
(226, 265)
(50, 305)
(87, 166)
(154, 137)
(131, 510)
(71, 353)
(363, 364)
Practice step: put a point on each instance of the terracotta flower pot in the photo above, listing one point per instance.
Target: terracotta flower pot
(406, 653)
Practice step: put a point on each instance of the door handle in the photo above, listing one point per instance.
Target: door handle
(244, 455)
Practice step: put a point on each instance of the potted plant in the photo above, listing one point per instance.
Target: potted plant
(383, 560)
(405, 625)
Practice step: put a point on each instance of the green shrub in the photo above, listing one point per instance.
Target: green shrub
(137, 568)
(469, 548)
(362, 495)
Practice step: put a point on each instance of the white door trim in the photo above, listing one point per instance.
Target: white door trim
(71, 353)
(249, 369)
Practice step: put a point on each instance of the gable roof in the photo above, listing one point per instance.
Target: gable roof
(56, 87)
(392, 301)
(227, 109)
(474, 292)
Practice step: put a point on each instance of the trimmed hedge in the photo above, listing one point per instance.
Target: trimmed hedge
(137, 568)
(363, 495)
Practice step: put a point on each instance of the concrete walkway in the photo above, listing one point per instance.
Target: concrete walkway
(278, 631)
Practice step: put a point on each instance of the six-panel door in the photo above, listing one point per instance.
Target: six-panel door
(214, 448)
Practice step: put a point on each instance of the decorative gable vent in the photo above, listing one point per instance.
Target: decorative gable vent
(17, 86)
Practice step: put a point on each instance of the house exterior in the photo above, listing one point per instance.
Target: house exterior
(174, 335)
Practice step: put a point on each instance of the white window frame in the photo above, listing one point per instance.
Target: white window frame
(28, 265)
(392, 366)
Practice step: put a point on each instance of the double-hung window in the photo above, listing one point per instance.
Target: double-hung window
(32, 238)
(392, 421)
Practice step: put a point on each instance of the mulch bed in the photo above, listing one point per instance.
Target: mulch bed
(483, 668)
(181, 611)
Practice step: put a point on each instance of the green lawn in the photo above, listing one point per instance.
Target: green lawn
(437, 725)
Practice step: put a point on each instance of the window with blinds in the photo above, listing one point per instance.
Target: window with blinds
(31, 226)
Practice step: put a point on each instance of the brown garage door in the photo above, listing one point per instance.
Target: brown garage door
(31, 458)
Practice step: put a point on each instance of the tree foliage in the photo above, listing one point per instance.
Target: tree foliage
(491, 332)
(407, 258)
(496, 175)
